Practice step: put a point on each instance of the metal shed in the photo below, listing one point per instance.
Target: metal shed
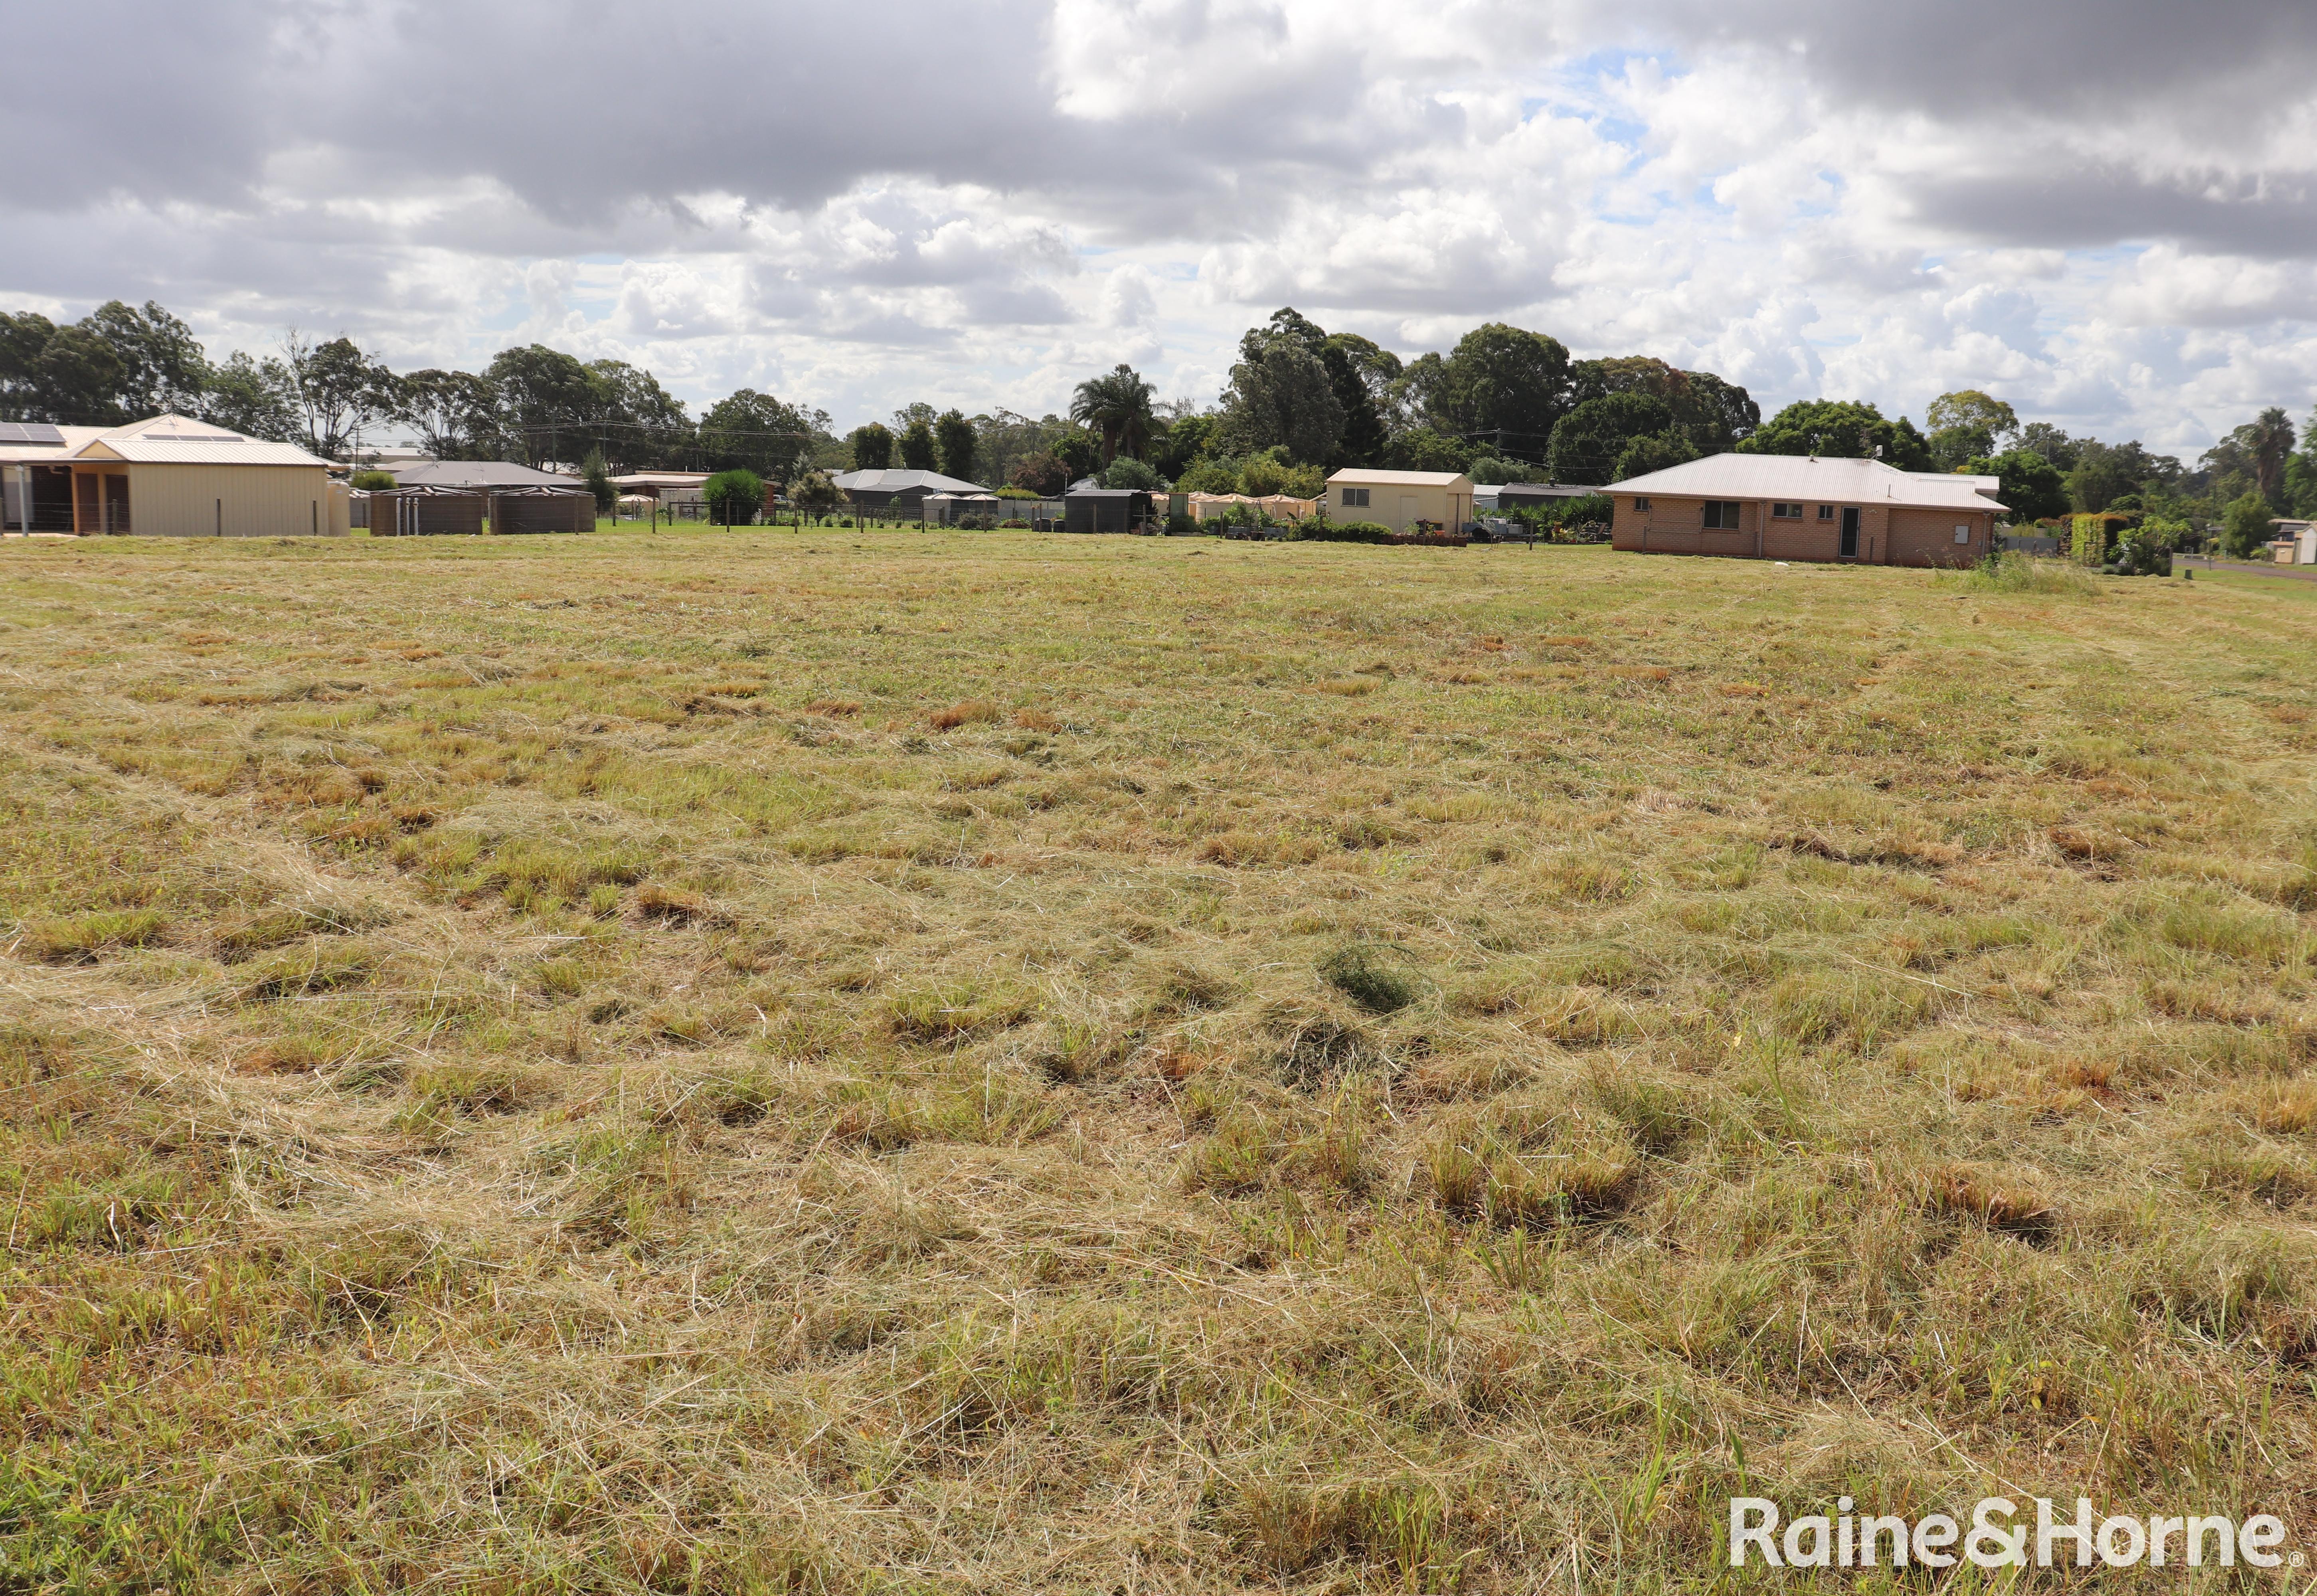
(1105, 510)
(426, 512)
(522, 509)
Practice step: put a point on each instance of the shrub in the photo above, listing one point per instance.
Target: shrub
(1128, 472)
(1209, 475)
(2146, 550)
(373, 482)
(814, 494)
(1044, 474)
(2248, 527)
(733, 497)
(2018, 573)
(598, 475)
(2088, 539)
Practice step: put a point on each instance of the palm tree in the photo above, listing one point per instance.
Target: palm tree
(1118, 407)
(2269, 441)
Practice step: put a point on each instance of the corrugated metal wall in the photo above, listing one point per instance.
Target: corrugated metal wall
(230, 501)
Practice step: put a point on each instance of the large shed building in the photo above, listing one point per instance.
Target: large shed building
(167, 477)
(1792, 507)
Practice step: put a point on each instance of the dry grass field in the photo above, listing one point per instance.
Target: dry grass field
(864, 1062)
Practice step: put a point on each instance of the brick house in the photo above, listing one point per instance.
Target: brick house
(1781, 507)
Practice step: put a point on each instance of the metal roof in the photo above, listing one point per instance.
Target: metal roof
(1802, 478)
(892, 482)
(1356, 476)
(477, 474)
(185, 451)
(160, 440)
(30, 454)
(1550, 490)
(180, 439)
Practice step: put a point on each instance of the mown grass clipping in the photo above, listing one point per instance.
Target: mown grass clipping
(841, 1061)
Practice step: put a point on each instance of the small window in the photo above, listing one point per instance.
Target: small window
(1721, 516)
(1641, 504)
(1826, 513)
(1355, 498)
(1786, 512)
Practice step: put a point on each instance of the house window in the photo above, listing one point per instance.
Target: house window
(1786, 512)
(1720, 515)
(1826, 513)
(1355, 498)
(1641, 504)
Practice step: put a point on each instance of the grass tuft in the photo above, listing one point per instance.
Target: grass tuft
(966, 712)
(80, 938)
(1376, 979)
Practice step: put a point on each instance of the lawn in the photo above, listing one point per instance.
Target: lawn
(853, 1061)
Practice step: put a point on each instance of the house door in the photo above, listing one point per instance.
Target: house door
(1850, 534)
(1407, 513)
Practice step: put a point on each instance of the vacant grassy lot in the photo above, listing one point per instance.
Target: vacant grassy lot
(843, 1062)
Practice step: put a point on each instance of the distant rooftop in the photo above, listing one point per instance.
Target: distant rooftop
(477, 473)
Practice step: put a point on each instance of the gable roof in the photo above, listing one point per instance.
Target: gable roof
(893, 482)
(181, 441)
(1355, 474)
(1825, 480)
(158, 440)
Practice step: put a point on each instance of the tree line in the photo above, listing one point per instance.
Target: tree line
(532, 405)
(1504, 405)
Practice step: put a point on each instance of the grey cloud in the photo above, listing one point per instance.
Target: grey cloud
(2095, 204)
(2097, 58)
(1026, 304)
(2033, 86)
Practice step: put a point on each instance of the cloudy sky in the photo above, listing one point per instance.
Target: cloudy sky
(2103, 210)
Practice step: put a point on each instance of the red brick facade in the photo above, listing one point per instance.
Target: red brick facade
(1888, 534)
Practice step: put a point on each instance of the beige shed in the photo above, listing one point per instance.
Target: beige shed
(1401, 499)
(168, 476)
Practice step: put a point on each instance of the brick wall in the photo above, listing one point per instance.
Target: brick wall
(1887, 534)
(1927, 537)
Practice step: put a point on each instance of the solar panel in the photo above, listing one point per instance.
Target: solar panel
(36, 434)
